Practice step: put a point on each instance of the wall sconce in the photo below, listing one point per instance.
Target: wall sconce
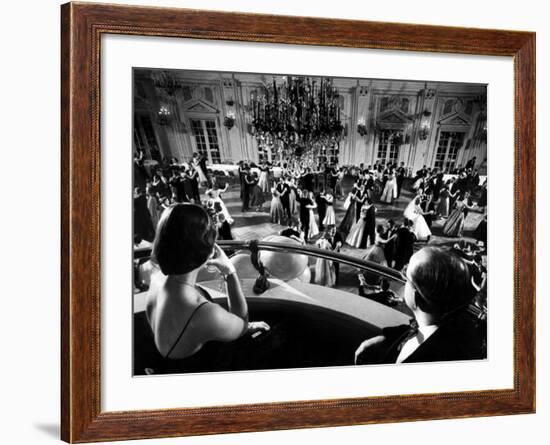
(229, 120)
(362, 127)
(163, 115)
(424, 131)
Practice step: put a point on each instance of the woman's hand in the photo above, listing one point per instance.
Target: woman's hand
(221, 261)
(257, 326)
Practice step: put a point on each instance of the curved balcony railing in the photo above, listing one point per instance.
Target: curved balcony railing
(361, 264)
(143, 254)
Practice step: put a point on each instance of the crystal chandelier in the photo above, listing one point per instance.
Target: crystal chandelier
(299, 117)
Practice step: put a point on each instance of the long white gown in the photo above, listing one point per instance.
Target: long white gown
(263, 182)
(216, 198)
(313, 228)
(202, 175)
(356, 233)
(420, 227)
(325, 274)
(390, 190)
(330, 216)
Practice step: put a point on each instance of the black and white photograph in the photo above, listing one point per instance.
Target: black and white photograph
(285, 221)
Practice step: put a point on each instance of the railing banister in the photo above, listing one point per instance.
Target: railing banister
(370, 266)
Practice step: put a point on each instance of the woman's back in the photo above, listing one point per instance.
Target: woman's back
(174, 313)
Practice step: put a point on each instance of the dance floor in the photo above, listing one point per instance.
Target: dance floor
(257, 225)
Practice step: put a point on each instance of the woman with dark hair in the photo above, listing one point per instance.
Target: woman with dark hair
(263, 181)
(181, 314)
(377, 255)
(325, 274)
(444, 201)
(276, 211)
(215, 192)
(256, 195)
(455, 224)
(390, 188)
(349, 218)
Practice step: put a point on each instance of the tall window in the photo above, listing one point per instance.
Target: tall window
(388, 146)
(144, 137)
(206, 138)
(448, 146)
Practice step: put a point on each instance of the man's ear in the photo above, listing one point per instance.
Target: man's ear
(416, 296)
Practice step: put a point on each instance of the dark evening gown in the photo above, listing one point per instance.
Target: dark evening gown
(349, 218)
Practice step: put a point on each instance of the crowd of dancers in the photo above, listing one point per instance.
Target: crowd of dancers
(302, 200)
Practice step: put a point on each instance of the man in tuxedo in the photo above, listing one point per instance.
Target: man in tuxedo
(400, 177)
(438, 290)
(336, 241)
(245, 194)
(178, 183)
(284, 189)
(404, 244)
(369, 237)
(308, 179)
(321, 207)
(304, 201)
(389, 247)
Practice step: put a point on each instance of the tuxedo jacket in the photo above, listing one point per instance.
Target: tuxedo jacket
(337, 238)
(461, 337)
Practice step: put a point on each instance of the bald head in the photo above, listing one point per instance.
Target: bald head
(442, 280)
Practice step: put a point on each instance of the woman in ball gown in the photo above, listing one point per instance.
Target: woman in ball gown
(276, 211)
(356, 233)
(339, 188)
(325, 274)
(256, 195)
(455, 224)
(242, 176)
(376, 254)
(419, 183)
(360, 197)
(330, 216)
(198, 162)
(390, 189)
(263, 182)
(349, 218)
(152, 206)
(313, 228)
(292, 194)
(193, 177)
(414, 213)
(444, 204)
(444, 201)
(215, 193)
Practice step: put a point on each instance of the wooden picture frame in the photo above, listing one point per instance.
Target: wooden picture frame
(82, 26)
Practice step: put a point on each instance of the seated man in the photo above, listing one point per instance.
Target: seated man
(381, 294)
(438, 291)
(293, 231)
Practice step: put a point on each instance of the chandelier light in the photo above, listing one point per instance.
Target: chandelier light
(300, 117)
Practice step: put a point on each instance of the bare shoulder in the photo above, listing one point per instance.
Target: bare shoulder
(216, 323)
